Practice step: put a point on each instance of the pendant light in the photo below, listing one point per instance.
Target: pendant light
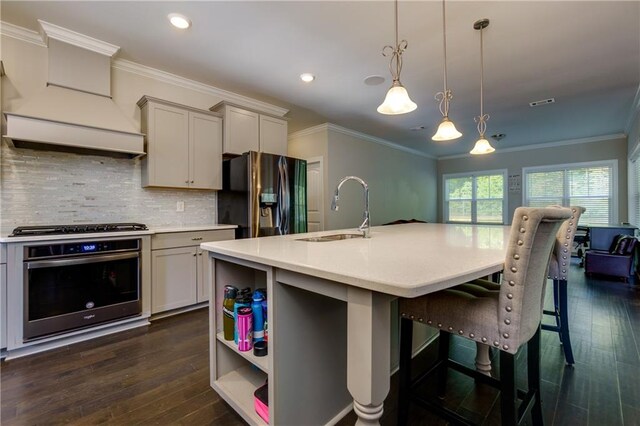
(482, 145)
(397, 100)
(446, 130)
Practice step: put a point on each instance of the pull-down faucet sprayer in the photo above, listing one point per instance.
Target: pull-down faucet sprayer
(366, 224)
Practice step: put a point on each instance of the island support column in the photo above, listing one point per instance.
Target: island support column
(368, 352)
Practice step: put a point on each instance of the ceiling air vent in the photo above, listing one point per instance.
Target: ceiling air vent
(542, 102)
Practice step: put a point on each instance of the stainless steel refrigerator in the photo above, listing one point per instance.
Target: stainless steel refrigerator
(264, 194)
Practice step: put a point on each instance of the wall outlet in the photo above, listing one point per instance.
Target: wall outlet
(180, 206)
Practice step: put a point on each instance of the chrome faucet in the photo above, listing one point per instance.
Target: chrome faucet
(365, 227)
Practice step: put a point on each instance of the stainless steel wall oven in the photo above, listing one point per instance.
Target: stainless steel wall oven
(72, 285)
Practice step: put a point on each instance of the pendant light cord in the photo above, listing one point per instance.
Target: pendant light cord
(444, 43)
(481, 74)
(395, 52)
(482, 118)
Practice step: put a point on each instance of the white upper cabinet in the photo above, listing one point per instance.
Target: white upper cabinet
(246, 130)
(273, 135)
(183, 145)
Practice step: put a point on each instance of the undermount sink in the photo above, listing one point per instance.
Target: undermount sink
(333, 237)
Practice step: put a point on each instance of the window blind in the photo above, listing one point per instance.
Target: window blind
(587, 186)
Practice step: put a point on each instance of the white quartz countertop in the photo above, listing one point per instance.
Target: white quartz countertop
(405, 260)
(192, 228)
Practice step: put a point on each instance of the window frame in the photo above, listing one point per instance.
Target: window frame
(613, 182)
(474, 210)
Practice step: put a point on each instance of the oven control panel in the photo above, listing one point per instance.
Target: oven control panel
(81, 248)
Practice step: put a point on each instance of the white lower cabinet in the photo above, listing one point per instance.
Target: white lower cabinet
(179, 268)
(3, 305)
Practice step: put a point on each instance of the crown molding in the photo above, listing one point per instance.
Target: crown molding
(20, 33)
(29, 36)
(359, 135)
(544, 145)
(309, 131)
(156, 74)
(48, 30)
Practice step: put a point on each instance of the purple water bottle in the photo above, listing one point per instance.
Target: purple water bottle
(245, 329)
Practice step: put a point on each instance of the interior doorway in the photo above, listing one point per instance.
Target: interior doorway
(315, 194)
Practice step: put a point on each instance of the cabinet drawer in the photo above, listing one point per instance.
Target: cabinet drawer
(191, 238)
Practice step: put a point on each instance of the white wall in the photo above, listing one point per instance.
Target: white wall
(402, 185)
(604, 149)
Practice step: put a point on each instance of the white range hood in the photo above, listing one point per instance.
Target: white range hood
(75, 112)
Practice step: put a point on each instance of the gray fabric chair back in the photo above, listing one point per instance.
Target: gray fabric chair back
(533, 233)
(561, 257)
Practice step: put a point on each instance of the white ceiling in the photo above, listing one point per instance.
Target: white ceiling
(585, 54)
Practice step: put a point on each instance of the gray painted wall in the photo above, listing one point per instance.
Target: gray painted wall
(401, 185)
(514, 161)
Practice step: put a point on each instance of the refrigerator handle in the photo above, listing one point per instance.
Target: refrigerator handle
(283, 196)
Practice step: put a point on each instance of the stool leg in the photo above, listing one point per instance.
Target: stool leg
(443, 356)
(404, 370)
(556, 306)
(533, 375)
(564, 322)
(508, 390)
(483, 359)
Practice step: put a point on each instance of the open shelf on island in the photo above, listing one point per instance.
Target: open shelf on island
(262, 362)
(237, 388)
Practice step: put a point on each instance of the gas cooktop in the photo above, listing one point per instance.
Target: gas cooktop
(23, 231)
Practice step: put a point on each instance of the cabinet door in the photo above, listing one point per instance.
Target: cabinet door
(241, 129)
(203, 276)
(173, 278)
(205, 151)
(273, 135)
(168, 149)
(3, 306)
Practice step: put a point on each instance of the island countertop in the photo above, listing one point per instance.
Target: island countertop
(405, 260)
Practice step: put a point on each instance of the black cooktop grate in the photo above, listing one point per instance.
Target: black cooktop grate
(23, 231)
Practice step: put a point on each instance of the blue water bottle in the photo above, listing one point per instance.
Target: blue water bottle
(258, 316)
(243, 299)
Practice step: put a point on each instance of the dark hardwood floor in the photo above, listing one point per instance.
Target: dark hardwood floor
(160, 375)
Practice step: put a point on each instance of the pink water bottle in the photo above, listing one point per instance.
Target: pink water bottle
(245, 329)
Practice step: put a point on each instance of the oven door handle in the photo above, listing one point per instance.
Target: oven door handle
(80, 261)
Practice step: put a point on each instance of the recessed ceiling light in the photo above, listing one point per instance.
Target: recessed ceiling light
(179, 21)
(307, 77)
(498, 136)
(374, 80)
(417, 128)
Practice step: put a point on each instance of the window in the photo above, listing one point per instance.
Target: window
(475, 198)
(590, 185)
(634, 188)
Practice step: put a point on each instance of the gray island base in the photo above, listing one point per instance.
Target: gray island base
(329, 313)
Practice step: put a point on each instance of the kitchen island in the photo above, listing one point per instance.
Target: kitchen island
(329, 309)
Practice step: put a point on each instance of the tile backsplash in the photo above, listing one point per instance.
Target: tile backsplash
(44, 188)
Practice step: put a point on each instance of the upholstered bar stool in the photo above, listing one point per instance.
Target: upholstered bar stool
(506, 319)
(559, 273)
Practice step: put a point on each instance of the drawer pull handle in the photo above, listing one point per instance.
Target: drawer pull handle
(194, 254)
(196, 239)
(200, 254)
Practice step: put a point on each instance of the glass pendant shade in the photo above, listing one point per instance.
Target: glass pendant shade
(446, 131)
(397, 101)
(482, 147)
